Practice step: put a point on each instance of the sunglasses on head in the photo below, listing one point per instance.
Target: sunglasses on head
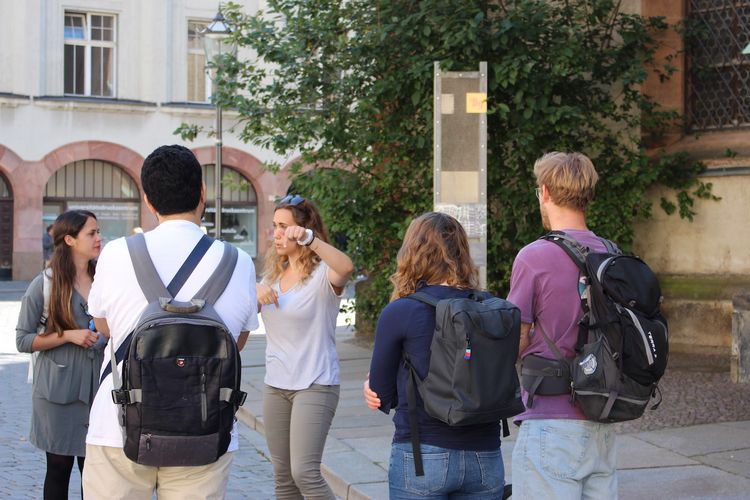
(291, 199)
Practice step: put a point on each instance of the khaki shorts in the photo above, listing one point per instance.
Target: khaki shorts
(109, 474)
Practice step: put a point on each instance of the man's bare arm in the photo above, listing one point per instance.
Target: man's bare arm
(242, 339)
(524, 342)
(102, 326)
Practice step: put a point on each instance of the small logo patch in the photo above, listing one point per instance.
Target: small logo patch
(180, 362)
(588, 364)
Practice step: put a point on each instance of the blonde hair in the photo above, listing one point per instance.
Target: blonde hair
(569, 177)
(306, 215)
(435, 250)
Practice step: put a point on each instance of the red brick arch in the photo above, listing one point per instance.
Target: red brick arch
(9, 163)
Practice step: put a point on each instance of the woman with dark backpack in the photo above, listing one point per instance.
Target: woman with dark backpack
(456, 460)
(66, 372)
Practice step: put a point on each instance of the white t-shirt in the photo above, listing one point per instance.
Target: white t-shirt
(301, 334)
(117, 297)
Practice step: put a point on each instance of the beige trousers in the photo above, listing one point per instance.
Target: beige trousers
(109, 474)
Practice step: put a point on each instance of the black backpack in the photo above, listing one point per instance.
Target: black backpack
(472, 377)
(181, 367)
(622, 347)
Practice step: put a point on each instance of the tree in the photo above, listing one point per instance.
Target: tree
(349, 83)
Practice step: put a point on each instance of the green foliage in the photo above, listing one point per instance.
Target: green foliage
(351, 83)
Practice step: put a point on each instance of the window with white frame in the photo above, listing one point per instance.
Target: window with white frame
(90, 54)
(198, 81)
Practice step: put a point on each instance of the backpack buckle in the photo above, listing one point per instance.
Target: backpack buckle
(121, 397)
(238, 398)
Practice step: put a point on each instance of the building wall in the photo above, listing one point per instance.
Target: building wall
(42, 130)
(704, 262)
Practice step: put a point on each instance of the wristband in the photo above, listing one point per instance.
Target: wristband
(308, 239)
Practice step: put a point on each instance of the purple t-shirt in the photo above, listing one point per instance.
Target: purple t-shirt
(544, 286)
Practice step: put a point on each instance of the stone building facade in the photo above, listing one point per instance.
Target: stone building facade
(703, 263)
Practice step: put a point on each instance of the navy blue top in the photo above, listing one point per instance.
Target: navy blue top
(406, 324)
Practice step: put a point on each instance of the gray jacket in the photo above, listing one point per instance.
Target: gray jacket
(68, 372)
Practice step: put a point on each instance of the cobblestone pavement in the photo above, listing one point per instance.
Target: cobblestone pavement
(692, 397)
(22, 466)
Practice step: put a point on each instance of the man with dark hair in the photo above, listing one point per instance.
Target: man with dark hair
(174, 192)
(172, 180)
(558, 453)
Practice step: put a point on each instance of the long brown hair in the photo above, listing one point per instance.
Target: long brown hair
(63, 268)
(306, 215)
(435, 250)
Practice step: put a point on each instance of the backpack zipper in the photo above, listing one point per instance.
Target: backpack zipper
(204, 403)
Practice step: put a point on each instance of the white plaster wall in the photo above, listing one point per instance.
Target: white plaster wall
(32, 130)
(19, 46)
(151, 57)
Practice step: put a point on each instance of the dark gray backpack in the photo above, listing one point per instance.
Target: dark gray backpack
(181, 367)
(472, 376)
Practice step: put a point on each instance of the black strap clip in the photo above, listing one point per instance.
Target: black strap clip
(121, 397)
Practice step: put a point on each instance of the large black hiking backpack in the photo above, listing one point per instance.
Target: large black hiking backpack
(472, 377)
(622, 347)
(181, 368)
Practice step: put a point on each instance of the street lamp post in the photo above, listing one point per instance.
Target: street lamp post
(217, 43)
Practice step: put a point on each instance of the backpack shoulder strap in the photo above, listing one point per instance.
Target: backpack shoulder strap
(611, 246)
(187, 268)
(46, 291)
(570, 245)
(413, 383)
(215, 285)
(425, 298)
(145, 271)
(148, 276)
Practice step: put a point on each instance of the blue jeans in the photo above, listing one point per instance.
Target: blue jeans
(564, 459)
(447, 473)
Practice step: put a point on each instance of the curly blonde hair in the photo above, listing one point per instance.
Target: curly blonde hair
(305, 215)
(435, 250)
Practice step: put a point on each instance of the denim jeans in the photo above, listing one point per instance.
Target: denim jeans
(447, 473)
(564, 459)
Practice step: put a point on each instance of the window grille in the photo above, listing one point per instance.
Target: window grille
(235, 188)
(91, 180)
(718, 86)
(4, 189)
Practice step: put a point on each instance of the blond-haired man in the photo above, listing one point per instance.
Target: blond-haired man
(558, 454)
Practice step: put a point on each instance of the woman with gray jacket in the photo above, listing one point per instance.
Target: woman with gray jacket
(66, 372)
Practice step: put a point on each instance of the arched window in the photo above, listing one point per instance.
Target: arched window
(239, 211)
(98, 186)
(6, 230)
